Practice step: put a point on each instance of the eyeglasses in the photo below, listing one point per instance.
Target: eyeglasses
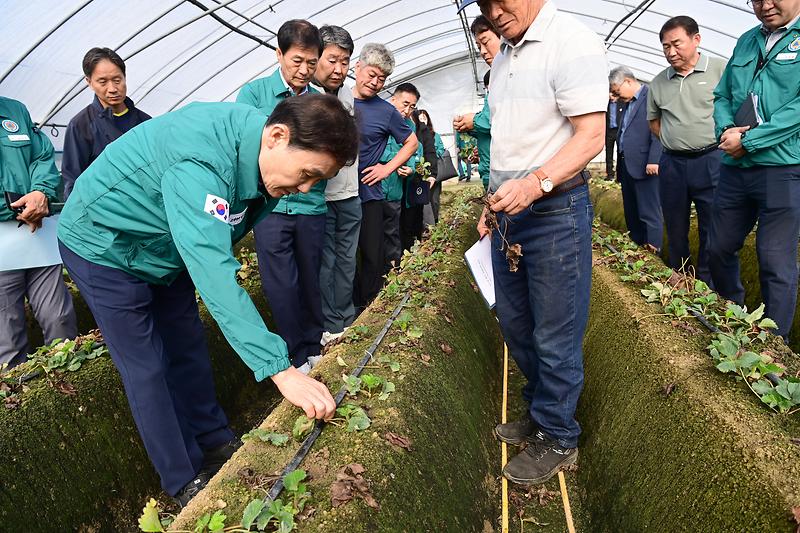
(758, 3)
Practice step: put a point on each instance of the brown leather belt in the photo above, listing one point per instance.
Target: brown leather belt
(580, 179)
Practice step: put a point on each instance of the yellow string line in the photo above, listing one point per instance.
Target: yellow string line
(504, 446)
(561, 480)
(565, 498)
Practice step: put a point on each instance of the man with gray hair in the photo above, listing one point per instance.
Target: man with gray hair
(344, 207)
(377, 120)
(637, 161)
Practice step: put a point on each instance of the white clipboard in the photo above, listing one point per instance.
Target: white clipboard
(479, 261)
(23, 249)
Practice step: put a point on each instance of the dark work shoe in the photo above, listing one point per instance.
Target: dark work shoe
(540, 461)
(214, 458)
(515, 432)
(191, 489)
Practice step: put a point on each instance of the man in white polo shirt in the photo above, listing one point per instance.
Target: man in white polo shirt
(548, 102)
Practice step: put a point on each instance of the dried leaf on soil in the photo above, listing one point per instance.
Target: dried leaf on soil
(446, 348)
(398, 440)
(543, 495)
(254, 480)
(350, 483)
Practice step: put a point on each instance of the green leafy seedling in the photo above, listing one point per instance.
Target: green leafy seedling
(355, 416)
(276, 439)
(302, 427)
(149, 521)
(388, 388)
(371, 383)
(352, 383)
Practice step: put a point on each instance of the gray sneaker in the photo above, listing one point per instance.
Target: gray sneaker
(540, 461)
(515, 432)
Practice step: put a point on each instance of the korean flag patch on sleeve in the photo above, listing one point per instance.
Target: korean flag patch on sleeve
(217, 207)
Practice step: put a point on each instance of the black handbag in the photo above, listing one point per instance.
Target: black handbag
(446, 169)
(418, 192)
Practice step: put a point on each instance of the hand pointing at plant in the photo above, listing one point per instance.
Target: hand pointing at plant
(306, 393)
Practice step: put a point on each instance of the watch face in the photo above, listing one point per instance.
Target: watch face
(547, 185)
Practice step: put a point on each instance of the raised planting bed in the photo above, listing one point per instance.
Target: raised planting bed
(607, 200)
(671, 443)
(73, 459)
(442, 357)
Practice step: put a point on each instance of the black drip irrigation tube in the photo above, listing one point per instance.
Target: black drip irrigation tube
(702, 319)
(318, 427)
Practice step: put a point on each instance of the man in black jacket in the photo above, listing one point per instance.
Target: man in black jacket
(103, 121)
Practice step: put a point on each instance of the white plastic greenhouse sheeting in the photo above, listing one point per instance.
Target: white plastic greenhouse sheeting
(176, 53)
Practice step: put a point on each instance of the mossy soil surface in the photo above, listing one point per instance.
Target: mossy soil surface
(670, 443)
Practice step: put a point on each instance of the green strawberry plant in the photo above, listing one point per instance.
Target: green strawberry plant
(259, 515)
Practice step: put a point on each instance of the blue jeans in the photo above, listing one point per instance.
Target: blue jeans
(771, 196)
(544, 306)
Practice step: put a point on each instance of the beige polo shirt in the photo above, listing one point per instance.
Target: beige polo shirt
(557, 70)
(685, 104)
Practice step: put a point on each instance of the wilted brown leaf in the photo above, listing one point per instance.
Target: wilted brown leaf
(426, 359)
(513, 253)
(686, 326)
(12, 402)
(65, 387)
(543, 495)
(350, 483)
(795, 441)
(254, 480)
(446, 348)
(668, 388)
(398, 440)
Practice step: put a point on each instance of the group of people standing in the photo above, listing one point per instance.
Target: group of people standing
(679, 144)
(153, 216)
(150, 218)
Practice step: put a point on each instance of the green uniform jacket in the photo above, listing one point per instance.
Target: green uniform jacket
(26, 156)
(437, 140)
(777, 140)
(173, 194)
(393, 185)
(264, 94)
(482, 131)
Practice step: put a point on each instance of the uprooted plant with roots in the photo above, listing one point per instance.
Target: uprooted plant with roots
(513, 251)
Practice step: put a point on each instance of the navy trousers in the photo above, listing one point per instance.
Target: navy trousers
(642, 203)
(371, 247)
(392, 246)
(771, 197)
(157, 342)
(685, 180)
(543, 307)
(289, 249)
